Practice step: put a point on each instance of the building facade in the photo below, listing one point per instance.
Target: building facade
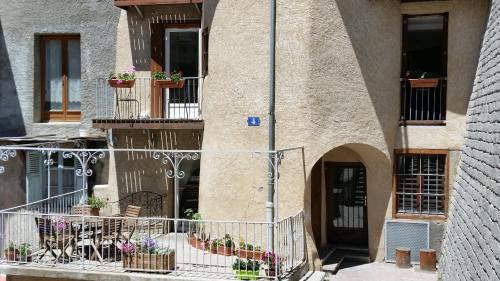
(375, 144)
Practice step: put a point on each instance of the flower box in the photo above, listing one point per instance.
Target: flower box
(149, 262)
(424, 82)
(222, 250)
(196, 243)
(170, 84)
(249, 254)
(11, 255)
(114, 83)
(247, 274)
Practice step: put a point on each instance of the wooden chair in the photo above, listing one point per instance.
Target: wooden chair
(51, 239)
(130, 221)
(81, 209)
(109, 236)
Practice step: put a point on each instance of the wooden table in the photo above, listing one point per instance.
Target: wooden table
(91, 225)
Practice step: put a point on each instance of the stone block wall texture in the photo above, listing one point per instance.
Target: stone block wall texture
(471, 249)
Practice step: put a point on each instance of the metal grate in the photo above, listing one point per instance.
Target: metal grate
(403, 233)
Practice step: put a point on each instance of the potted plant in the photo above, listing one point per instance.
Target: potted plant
(95, 204)
(147, 256)
(195, 233)
(223, 246)
(25, 252)
(246, 270)
(175, 80)
(272, 263)
(249, 251)
(420, 79)
(11, 252)
(122, 79)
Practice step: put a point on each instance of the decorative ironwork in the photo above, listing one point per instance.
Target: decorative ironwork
(151, 203)
(175, 159)
(5, 155)
(85, 158)
(274, 159)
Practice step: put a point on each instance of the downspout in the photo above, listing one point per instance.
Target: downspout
(272, 122)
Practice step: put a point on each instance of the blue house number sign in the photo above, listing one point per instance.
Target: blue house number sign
(253, 121)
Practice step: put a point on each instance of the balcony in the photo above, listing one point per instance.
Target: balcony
(126, 3)
(149, 106)
(56, 237)
(423, 101)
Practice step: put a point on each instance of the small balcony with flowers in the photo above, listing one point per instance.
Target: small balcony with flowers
(162, 101)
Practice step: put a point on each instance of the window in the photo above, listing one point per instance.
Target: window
(60, 77)
(421, 182)
(423, 71)
(62, 176)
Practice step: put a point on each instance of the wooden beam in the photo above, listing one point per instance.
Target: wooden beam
(147, 124)
(125, 3)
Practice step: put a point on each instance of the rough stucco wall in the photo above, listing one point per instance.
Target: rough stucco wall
(96, 22)
(337, 84)
(471, 250)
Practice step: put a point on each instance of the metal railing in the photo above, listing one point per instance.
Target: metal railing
(423, 101)
(212, 249)
(61, 204)
(148, 99)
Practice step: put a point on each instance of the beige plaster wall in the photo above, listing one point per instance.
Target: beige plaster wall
(132, 172)
(338, 68)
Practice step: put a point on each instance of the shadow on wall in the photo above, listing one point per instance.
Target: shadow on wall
(11, 118)
(139, 27)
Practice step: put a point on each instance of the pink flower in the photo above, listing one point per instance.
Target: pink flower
(127, 248)
(130, 70)
(119, 81)
(60, 223)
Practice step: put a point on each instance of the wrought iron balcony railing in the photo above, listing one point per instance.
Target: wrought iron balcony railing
(147, 99)
(423, 101)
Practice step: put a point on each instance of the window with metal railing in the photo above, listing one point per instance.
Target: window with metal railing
(424, 68)
(420, 182)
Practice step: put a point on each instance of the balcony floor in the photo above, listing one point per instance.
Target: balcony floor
(192, 264)
(173, 124)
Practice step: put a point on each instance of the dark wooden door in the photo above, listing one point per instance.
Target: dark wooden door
(346, 203)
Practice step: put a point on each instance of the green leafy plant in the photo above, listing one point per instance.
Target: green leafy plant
(248, 247)
(12, 247)
(226, 241)
(159, 75)
(25, 249)
(96, 202)
(175, 76)
(127, 75)
(250, 265)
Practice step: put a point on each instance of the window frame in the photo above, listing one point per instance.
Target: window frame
(63, 115)
(404, 65)
(409, 151)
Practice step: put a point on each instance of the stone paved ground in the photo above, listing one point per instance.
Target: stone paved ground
(380, 272)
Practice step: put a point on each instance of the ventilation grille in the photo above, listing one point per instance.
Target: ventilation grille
(410, 234)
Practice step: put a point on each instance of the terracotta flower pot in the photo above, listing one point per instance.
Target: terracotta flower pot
(94, 212)
(123, 84)
(221, 250)
(170, 84)
(424, 83)
(11, 255)
(249, 254)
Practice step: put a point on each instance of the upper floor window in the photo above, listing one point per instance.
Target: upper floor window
(420, 182)
(423, 71)
(60, 77)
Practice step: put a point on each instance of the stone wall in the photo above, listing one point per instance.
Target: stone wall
(471, 249)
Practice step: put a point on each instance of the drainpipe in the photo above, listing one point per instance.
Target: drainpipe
(272, 121)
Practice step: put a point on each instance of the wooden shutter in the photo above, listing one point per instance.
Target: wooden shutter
(204, 51)
(157, 47)
(36, 180)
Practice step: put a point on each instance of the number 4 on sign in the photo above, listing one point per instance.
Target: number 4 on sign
(253, 121)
